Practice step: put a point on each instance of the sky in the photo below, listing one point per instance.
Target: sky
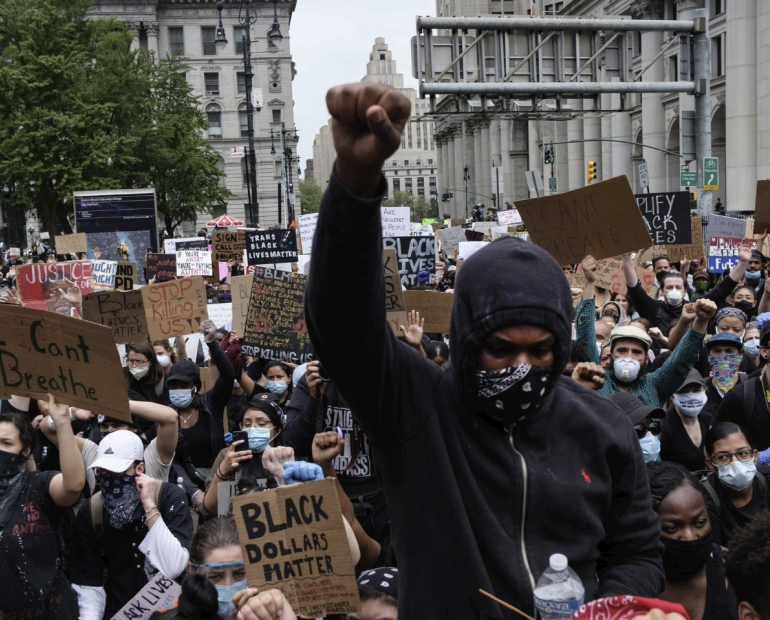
(330, 44)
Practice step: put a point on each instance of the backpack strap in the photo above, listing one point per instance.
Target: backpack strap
(712, 492)
(762, 481)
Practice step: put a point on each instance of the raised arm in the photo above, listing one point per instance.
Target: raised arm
(302, 413)
(629, 269)
(168, 425)
(585, 314)
(65, 487)
(223, 387)
(683, 324)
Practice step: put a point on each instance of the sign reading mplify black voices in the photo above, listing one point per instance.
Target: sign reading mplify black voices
(667, 216)
(414, 254)
(265, 247)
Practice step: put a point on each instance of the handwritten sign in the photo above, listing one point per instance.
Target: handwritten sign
(193, 263)
(509, 217)
(649, 281)
(175, 308)
(413, 254)
(221, 314)
(121, 312)
(469, 248)
(75, 360)
(750, 234)
(293, 539)
(762, 207)
(609, 276)
(723, 252)
(395, 221)
(307, 226)
(125, 276)
(395, 308)
(602, 220)
(667, 216)
(162, 267)
(434, 307)
(271, 246)
(728, 227)
(159, 593)
(104, 274)
(51, 286)
(450, 239)
(241, 292)
(275, 327)
(70, 244)
(172, 246)
(226, 246)
(692, 250)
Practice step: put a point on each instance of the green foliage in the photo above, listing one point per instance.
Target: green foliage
(311, 195)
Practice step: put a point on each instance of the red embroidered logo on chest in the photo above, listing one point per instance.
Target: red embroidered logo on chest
(586, 477)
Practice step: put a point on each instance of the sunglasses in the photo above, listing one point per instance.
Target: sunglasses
(653, 427)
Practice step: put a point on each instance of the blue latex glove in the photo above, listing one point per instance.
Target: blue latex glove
(764, 457)
(301, 471)
(228, 438)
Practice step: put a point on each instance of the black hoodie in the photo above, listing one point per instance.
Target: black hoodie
(475, 503)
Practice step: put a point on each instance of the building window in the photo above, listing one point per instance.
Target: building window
(420, 191)
(395, 163)
(243, 119)
(408, 185)
(717, 57)
(420, 181)
(396, 185)
(241, 82)
(209, 37)
(430, 162)
(239, 32)
(406, 162)
(176, 41)
(214, 117)
(211, 81)
(717, 7)
(382, 56)
(637, 43)
(553, 9)
(432, 182)
(276, 116)
(278, 168)
(673, 69)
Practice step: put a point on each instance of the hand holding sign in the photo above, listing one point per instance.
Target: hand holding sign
(208, 328)
(588, 264)
(267, 605)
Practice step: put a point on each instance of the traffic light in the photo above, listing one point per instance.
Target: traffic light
(591, 171)
(693, 200)
(445, 197)
(451, 195)
(548, 156)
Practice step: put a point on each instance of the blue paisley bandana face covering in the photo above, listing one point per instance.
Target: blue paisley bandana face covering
(513, 392)
(120, 497)
(724, 369)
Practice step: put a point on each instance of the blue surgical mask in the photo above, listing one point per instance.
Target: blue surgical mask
(650, 447)
(751, 346)
(277, 387)
(753, 275)
(259, 438)
(225, 596)
(181, 398)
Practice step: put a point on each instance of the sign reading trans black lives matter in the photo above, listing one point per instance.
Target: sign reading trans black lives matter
(667, 216)
(264, 247)
(275, 327)
(413, 255)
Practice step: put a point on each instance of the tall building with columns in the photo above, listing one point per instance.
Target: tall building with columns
(414, 167)
(217, 77)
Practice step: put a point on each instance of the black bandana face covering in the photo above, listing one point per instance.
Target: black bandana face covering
(120, 497)
(11, 466)
(514, 392)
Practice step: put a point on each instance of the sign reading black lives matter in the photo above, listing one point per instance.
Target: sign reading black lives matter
(667, 216)
(266, 247)
(414, 254)
(275, 327)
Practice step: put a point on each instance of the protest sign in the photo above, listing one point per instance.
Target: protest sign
(649, 281)
(125, 277)
(469, 248)
(241, 292)
(225, 493)
(75, 360)
(307, 225)
(576, 280)
(121, 312)
(667, 216)
(602, 220)
(723, 253)
(692, 250)
(506, 218)
(172, 246)
(450, 239)
(162, 267)
(104, 274)
(728, 227)
(209, 376)
(304, 264)
(193, 263)
(395, 308)
(226, 245)
(483, 227)
(473, 235)
(70, 244)
(293, 539)
(751, 234)
(395, 221)
(455, 222)
(436, 226)
(221, 314)
(434, 307)
(413, 254)
(159, 593)
(271, 246)
(609, 276)
(49, 286)
(175, 308)
(275, 327)
(762, 207)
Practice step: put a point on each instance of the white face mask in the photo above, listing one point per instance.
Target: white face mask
(674, 297)
(164, 360)
(738, 474)
(626, 369)
(139, 371)
(599, 348)
(690, 403)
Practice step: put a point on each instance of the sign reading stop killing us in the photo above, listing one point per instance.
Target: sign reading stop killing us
(75, 360)
(175, 308)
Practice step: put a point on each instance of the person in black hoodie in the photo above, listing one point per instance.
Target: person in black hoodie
(496, 462)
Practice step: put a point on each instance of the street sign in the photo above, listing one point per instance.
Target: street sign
(644, 176)
(688, 179)
(236, 151)
(711, 173)
(553, 186)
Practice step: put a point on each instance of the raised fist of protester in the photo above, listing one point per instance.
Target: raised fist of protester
(233, 458)
(265, 605)
(60, 414)
(705, 309)
(301, 471)
(656, 334)
(313, 378)
(684, 266)
(413, 333)
(589, 268)
(327, 446)
(208, 329)
(688, 312)
(589, 375)
(744, 250)
(367, 122)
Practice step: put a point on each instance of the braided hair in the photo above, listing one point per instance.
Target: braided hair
(666, 476)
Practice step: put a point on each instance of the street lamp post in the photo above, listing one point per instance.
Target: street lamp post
(466, 176)
(246, 19)
(288, 158)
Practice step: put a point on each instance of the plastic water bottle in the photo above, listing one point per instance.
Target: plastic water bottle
(559, 592)
(180, 482)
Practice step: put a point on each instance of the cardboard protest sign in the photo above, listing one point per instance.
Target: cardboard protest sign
(667, 216)
(125, 276)
(70, 244)
(395, 221)
(751, 234)
(275, 327)
(395, 308)
(226, 245)
(602, 220)
(455, 222)
(162, 267)
(723, 253)
(414, 254)
(293, 539)
(473, 235)
(609, 275)
(122, 312)
(692, 250)
(226, 491)
(49, 286)
(172, 246)
(450, 239)
(209, 376)
(762, 207)
(159, 593)
(434, 307)
(728, 227)
(104, 274)
(576, 280)
(241, 292)
(175, 308)
(507, 218)
(484, 227)
(193, 263)
(75, 360)
(649, 281)
(436, 226)
(221, 314)
(271, 246)
(469, 248)
(307, 226)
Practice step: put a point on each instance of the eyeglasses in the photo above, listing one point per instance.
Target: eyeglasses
(258, 424)
(641, 429)
(137, 362)
(723, 458)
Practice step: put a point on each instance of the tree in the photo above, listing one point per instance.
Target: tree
(311, 195)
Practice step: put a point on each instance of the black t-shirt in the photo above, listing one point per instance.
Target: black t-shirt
(721, 603)
(736, 407)
(727, 518)
(676, 445)
(33, 582)
(198, 441)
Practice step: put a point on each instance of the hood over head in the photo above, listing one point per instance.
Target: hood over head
(508, 282)
(621, 319)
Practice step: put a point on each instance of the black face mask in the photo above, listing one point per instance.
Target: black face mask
(684, 558)
(224, 298)
(11, 466)
(745, 307)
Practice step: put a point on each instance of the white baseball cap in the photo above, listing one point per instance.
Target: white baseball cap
(118, 451)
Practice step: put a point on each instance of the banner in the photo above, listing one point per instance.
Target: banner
(762, 207)
(241, 292)
(159, 593)
(57, 287)
(193, 263)
(104, 274)
(226, 246)
(727, 227)
(75, 360)
(175, 308)
(172, 246)
(413, 254)
(162, 267)
(70, 244)
(271, 246)
(125, 277)
(434, 307)
(395, 308)
(693, 250)
(667, 216)
(395, 221)
(508, 218)
(122, 312)
(307, 226)
(293, 539)
(275, 327)
(723, 252)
